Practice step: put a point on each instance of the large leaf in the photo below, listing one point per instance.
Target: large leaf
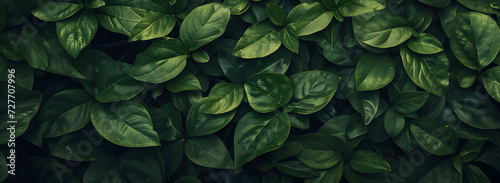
(198, 123)
(120, 19)
(491, 81)
(203, 25)
(257, 134)
(80, 146)
(259, 40)
(473, 110)
(475, 174)
(427, 71)
(309, 18)
(320, 150)
(54, 11)
(484, 6)
(33, 51)
(59, 61)
(76, 32)
(160, 64)
(433, 137)
(374, 72)
(125, 123)
(153, 25)
(408, 102)
(224, 97)
(183, 82)
(365, 161)
(208, 151)
(297, 169)
(350, 8)
(384, 30)
(312, 90)
(331, 175)
(114, 83)
(65, 112)
(473, 39)
(267, 92)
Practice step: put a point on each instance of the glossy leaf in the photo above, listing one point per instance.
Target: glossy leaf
(484, 6)
(289, 39)
(384, 30)
(126, 124)
(366, 103)
(258, 41)
(320, 150)
(183, 82)
(224, 97)
(276, 14)
(332, 175)
(120, 19)
(199, 123)
(76, 32)
(469, 108)
(267, 92)
(54, 11)
(350, 8)
(374, 72)
(394, 122)
(208, 151)
(153, 25)
(114, 82)
(408, 102)
(491, 81)
(365, 161)
(466, 78)
(425, 43)
(312, 90)
(309, 18)
(433, 137)
(201, 56)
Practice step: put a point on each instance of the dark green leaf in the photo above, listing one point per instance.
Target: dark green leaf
(290, 39)
(224, 97)
(276, 14)
(199, 123)
(259, 40)
(173, 153)
(120, 19)
(408, 102)
(471, 149)
(187, 179)
(425, 43)
(331, 175)
(466, 78)
(474, 111)
(336, 126)
(47, 169)
(183, 82)
(433, 137)
(267, 92)
(290, 148)
(475, 175)
(312, 90)
(365, 161)
(437, 4)
(54, 11)
(366, 103)
(394, 122)
(237, 7)
(484, 6)
(201, 56)
(167, 122)
(184, 100)
(491, 81)
(320, 150)
(297, 169)
(208, 151)
(374, 72)
(114, 82)
(3, 168)
(76, 32)
(80, 147)
(384, 30)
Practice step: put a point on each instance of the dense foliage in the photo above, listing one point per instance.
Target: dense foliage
(315, 91)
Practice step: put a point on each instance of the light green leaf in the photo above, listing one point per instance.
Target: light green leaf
(425, 43)
(259, 40)
(312, 90)
(199, 123)
(54, 11)
(125, 123)
(183, 82)
(384, 30)
(427, 71)
(366, 161)
(65, 112)
(433, 137)
(309, 18)
(203, 25)
(374, 72)
(256, 134)
(153, 25)
(350, 8)
(267, 92)
(208, 151)
(237, 7)
(491, 81)
(160, 64)
(75, 33)
(224, 97)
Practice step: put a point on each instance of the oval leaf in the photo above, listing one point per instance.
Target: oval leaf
(54, 11)
(384, 30)
(224, 97)
(374, 72)
(491, 81)
(309, 18)
(424, 43)
(259, 40)
(366, 161)
(433, 137)
(199, 123)
(76, 32)
(209, 152)
(267, 92)
(312, 90)
(320, 150)
(153, 25)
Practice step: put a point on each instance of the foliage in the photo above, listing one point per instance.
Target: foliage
(252, 90)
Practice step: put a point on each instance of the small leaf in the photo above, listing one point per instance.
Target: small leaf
(296, 169)
(365, 161)
(276, 14)
(54, 11)
(491, 81)
(76, 32)
(209, 152)
(199, 123)
(425, 43)
(201, 56)
(466, 78)
(289, 39)
(394, 122)
(267, 92)
(224, 97)
(183, 82)
(259, 40)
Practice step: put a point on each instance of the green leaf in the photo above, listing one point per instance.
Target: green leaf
(408, 102)
(473, 40)
(320, 150)
(167, 122)
(276, 14)
(366, 103)
(259, 40)
(433, 137)
(466, 78)
(424, 43)
(125, 123)
(374, 72)
(33, 51)
(55, 11)
(65, 112)
(59, 61)
(237, 7)
(134, 165)
(427, 71)
(114, 82)
(384, 30)
(394, 122)
(256, 134)
(458, 163)
(267, 92)
(484, 6)
(203, 25)
(350, 8)
(336, 126)
(120, 19)
(433, 106)
(173, 153)
(187, 179)
(355, 127)
(475, 174)
(209, 152)
(79, 146)
(289, 39)
(183, 82)
(160, 64)
(437, 4)
(153, 25)
(184, 100)
(290, 148)
(491, 81)
(366, 161)
(75, 33)
(474, 111)
(331, 175)
(198, 123)
(298, 121)
(297, 169)
(471, 149)
(309, 18)
(201, 56)
(312, 90)
(224, 97)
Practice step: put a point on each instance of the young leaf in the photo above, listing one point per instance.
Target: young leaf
(75, 33)
(65, 112)
(276, 14)
(224, 97)
(350, 8)
(374, 72)
(201, 56)
(160, 64)
(312, 90)
(289, 39)
(491, 81)
(425, 43)
(153, 25)
(433, 137)
(384, 30)
(256, 134)
(126, 124)
(366, 161)
(466, 78)
(209, 152)
(54, 11)
(267, 92)
(309, 18)
(203, 25)
(259, 40)
(199, 123)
